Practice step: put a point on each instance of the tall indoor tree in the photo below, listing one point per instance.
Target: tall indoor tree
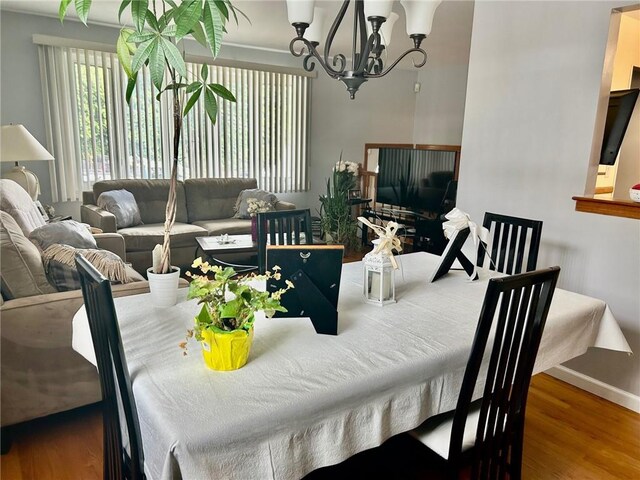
(156, 42)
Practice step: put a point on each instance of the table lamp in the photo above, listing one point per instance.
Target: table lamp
(18, 145)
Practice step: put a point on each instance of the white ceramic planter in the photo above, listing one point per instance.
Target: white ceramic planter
(164, 287)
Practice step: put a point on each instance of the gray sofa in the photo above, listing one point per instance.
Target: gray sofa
(205, 208)
(40, 373)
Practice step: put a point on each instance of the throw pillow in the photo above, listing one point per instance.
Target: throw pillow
(123, 205)
(60, 265)
(22, 274)
(242, 201)
(68, 232)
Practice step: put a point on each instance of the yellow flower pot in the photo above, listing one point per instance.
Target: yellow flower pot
(226, 350)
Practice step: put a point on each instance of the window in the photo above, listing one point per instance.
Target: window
(96, 135)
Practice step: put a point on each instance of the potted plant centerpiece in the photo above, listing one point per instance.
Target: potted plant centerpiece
(224, 325)
(156, 42)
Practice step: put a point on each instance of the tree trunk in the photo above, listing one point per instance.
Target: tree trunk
(170, 212)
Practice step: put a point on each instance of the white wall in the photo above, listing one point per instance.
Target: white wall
(534, 78)
(443, 80)
(382, 112)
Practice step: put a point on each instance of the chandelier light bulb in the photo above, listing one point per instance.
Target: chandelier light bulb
(419, 15)
(300, 11)
(315, 30)
(387, 28)
(377, 8)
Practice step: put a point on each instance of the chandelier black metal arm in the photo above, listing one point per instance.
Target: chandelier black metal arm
(366, 54)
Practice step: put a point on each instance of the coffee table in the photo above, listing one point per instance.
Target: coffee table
(232, 244)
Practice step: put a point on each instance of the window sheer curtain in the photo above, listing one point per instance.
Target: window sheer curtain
(95, 135)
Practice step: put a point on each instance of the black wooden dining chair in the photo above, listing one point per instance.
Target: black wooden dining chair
(114, 378)
(282, 227)
(511, 239)
(488, 434)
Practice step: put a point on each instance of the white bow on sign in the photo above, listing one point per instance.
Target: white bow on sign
(458, 220)
(389, 241)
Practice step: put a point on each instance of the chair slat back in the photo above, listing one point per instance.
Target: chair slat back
(509, 331)
(283, 227)
(114, 377)
(511, 240)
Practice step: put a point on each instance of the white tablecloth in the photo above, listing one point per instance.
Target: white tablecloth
(304, 400)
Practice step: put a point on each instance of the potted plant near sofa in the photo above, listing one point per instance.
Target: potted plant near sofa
(159, 28)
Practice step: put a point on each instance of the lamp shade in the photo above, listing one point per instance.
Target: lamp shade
(377, 8)
(419, 15)
(18, 145)
(300, 11)
(386, 29)
(316, 29)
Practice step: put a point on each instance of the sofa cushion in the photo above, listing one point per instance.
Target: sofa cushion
(151, 197)
(22, 273)
(122, 204)
(15, 201)
(60, 265)
(214, 198)
(230, 226)
(68, 232)
(146, 237)
(253, 194)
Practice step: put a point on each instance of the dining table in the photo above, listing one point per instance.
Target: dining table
(305, 400)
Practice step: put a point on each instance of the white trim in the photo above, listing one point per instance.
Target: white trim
(104, 47)
(72, 43)
(601, 389)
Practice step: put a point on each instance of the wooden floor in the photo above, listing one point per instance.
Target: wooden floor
(569, 434)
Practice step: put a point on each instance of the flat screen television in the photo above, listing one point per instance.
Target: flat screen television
(415, 179)
(621, 104)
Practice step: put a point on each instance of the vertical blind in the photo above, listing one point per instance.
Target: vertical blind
(95, 134)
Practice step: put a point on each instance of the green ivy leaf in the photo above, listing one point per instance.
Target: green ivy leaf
(82, 9)
(192, 101)
(211, 105)
(222, 91)
(62, 10)
(156, 65)
(140, 37)
(193, 87)
(171, 86)
(166, 17)
(172, 54)
(123, 5)
(198, 35)
(142, 54)
(123, 51)
(139, 13)
(213, 26)
(222, 8)
(152, 21)
(189, 14)
(131, 85)
(169, 31)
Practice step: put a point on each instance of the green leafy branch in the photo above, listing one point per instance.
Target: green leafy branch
(159, 27)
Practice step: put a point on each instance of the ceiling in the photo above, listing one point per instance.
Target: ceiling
(269, 27)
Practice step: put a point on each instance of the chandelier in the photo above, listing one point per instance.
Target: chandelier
(372, 26)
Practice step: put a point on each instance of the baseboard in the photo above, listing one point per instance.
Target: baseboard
(601, 389)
